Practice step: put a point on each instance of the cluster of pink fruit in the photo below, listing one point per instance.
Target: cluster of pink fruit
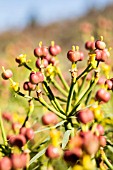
(15, 161)
(82, 119)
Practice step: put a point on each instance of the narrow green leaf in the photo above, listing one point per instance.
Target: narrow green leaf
(44, 129)
(66, 138)
(38, 155)
(110, 148)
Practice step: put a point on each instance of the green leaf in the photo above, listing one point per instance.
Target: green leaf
(44, 129)
(38, 155)
(66, 138)
(110, 148)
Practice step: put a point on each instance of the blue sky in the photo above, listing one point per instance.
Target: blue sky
(16, 13)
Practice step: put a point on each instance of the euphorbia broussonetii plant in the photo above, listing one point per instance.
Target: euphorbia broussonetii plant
(74, 118)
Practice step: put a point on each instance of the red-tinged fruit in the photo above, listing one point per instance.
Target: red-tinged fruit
(17, 140)
(73, 56)
(102, 95)
(38, 52)
(81, 56)
(90, 45)
(24, 159)
(101, 80)
(104, 55)
(44, 51)
(41, 63)
(98, 56)
(100, 129)
(28, 86)
(54, 49)
(36, 78)
(7, 74)
(7, 116)
(52, 152)
(58, 49)
(102, 141)
(86, 135)
(92, 145)
(71, 156)
(109, 84)
(5, 163)
(49, 119)
(29, 134)
(16, 126)
(90, 142)
(17, 161)
(22, 131)
(75, 141)
(85, 116)
(100, 45)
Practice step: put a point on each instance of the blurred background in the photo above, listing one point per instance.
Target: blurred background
(63, 21)
(60, 20)
(19, 14)
(23, 24)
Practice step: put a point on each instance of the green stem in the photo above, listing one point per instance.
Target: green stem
(61, 99)
(52, 98)
(71, 91)
(88, 68)
(31, 108)
(105, 159)
(70, 96)
(62, 79)
(82, 85)
(29, 68)
(91, 86)
(88, 98)
(41, 100)
(3, 130)
(59, 88)
(24, 95)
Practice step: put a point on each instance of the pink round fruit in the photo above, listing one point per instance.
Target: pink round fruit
(90, 45)
(7, 116)
(54, 50)
(102, 141)
(36, 78)
(91, 144)
(81, 56)
(73, 56)
(102, 95)
(100, 45)
(75, 141)
(100, 129)
(28, 86)
(16, 126)
(29, 133)
(38, 52)
(72, 156)
(23, 131)
(17, 162)
(17, 140)
(44, 51)
(49, 118)
(98, 56)
(5, 163)
(109, 84)
(41, 63)
(7, 74)
(85, 116)
(52, 152)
